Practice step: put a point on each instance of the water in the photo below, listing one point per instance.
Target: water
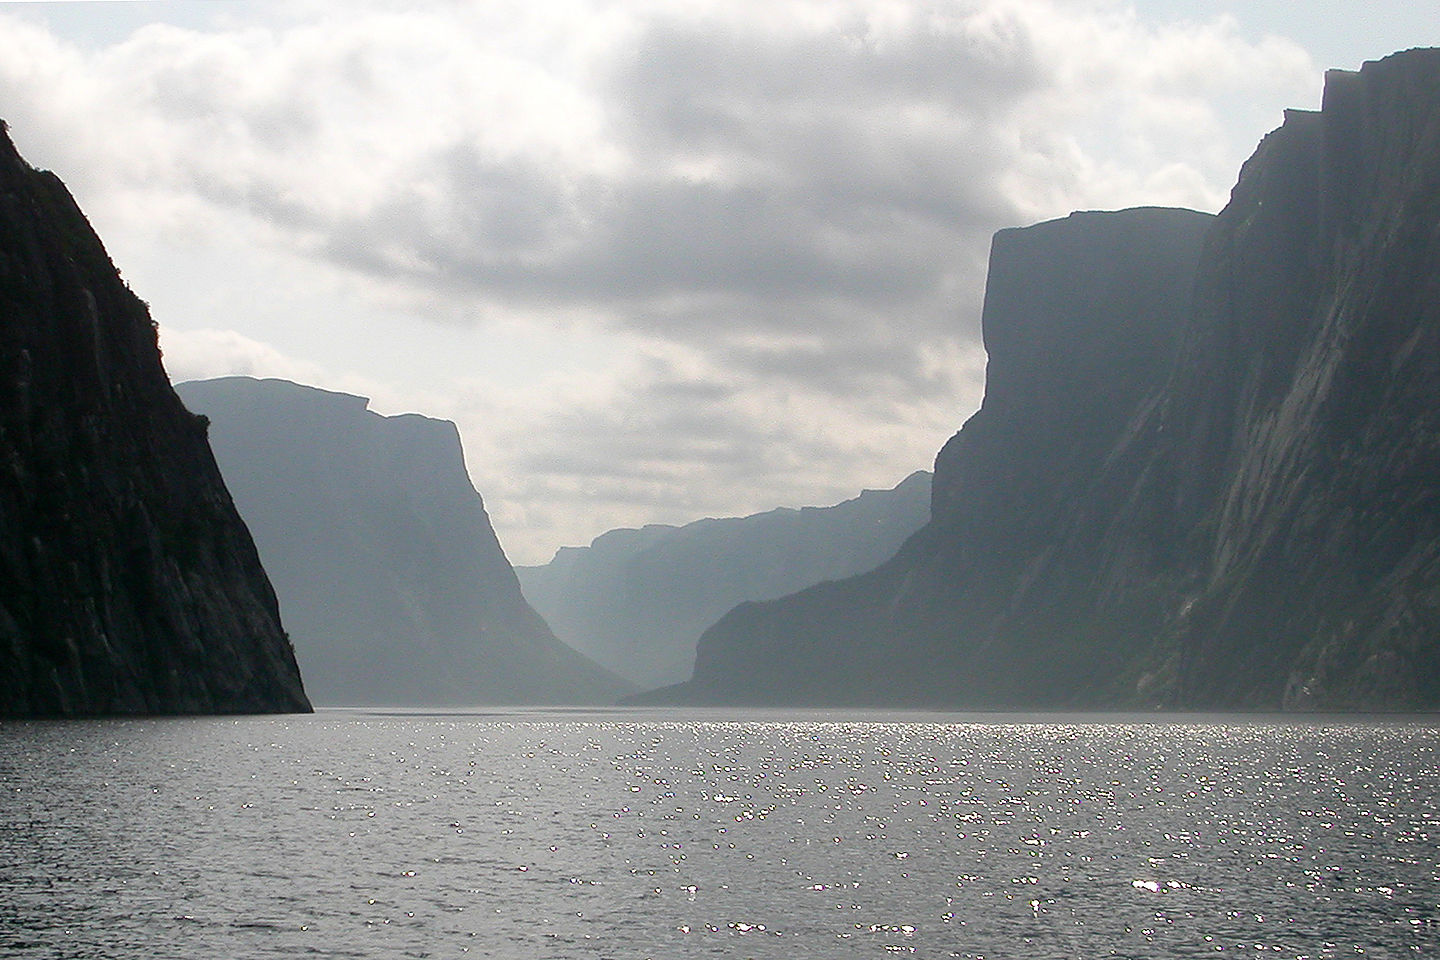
(668, 835)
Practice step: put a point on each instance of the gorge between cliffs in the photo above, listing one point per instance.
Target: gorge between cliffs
(1147, 667)
(1203, 477)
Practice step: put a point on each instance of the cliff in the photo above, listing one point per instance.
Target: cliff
(390, 577)
(1314, 500)
(637, 600)
(1082, 319)
(128, 583)
(1243, 516)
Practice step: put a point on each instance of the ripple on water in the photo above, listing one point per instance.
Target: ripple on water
(351, 835)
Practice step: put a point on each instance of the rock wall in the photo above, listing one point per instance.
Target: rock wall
(1259, 531)
(390, 576)
(1083, 317)
(128, 584)
(1315, 581)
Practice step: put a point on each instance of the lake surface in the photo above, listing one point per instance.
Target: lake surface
(673, 835)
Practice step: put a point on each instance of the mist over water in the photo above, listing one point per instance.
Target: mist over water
(693, 834)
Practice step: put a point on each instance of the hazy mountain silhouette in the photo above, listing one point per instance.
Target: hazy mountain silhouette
(637, 600)
(390, 577)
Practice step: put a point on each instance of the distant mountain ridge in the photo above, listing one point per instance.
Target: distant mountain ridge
(637, 600)
(1202, 482)
(128, 584)
(390, 577)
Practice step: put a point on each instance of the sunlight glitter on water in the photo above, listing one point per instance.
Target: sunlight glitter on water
(355, 835)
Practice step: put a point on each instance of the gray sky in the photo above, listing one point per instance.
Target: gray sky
(659, 261)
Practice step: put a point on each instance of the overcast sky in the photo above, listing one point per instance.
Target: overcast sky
(658, 260)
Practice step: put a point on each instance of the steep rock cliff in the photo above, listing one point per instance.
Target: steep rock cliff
(1082, 321)
(637, 600)
(128, 584)
(390, 577)
(1315, 577)
(1261, 532)
(1270, 532)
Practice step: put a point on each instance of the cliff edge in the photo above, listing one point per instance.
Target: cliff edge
(1083, 318)
(390, 576)
(128, 583)
(1208, 485)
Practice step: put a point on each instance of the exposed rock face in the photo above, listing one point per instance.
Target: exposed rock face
(637, 600)
(1262, 531)
(1082, 319)
(1313, 465)
(128, 584)
(390, 576)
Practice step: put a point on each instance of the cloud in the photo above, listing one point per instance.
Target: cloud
(787, 168)
(206, 354)
(715, 161)
(669, 435)
(736, 248)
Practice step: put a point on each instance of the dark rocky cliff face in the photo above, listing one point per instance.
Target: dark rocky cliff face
(128, 584)
(390, 577)
(1261, 531)
(638, 600)
(1315, 578)
(1082, 319)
